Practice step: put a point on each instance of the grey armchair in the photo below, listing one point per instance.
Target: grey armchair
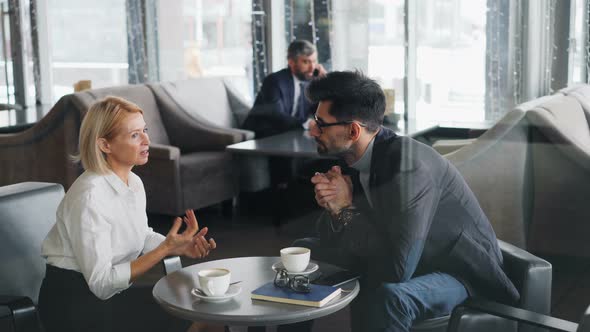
(560, 140)
(215, 104)
(27, 213)
(497, 167)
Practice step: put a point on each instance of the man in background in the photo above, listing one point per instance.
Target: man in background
(281, 104)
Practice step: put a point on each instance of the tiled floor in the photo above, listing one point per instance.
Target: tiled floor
(252, 232)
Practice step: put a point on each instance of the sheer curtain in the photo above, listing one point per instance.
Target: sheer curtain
(527, 51)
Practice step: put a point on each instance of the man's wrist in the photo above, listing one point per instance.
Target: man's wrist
(344, 215)
(334, 211)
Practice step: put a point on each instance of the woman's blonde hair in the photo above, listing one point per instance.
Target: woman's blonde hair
(102, 120)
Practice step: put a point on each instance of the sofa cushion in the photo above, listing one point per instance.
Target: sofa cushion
(205, 99)
(212, 170)
(138, 94)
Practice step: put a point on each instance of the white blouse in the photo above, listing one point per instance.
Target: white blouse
(101, 227)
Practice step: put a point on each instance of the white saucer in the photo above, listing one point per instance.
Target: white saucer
(232, 291)
(311, 267)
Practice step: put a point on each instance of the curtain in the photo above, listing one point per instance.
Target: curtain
(527, 51)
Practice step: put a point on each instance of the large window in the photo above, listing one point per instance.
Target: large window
(449, 44)
(6, 75)
(206, 38)
(17, 87)
(450, 63)
(88, 41)
(385, 57)
(579, 68)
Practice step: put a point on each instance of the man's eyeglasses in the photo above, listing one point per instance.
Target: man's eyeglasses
(321, 124)
(298, 283)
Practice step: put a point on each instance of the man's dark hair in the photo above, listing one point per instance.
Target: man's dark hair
(300, 47)
(354, 96)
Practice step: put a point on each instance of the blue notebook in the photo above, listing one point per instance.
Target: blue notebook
(317, 297)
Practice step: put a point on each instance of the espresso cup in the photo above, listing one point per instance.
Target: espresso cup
(295, 259)
(214, 282)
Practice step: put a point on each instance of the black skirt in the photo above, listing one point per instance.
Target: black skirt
(67, 304)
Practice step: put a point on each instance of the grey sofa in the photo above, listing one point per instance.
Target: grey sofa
(27, 213)
(530, 173)
(190, 124)
(498, 168)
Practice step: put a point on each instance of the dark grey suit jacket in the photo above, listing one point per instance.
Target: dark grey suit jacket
(272, 109)
(424, 219)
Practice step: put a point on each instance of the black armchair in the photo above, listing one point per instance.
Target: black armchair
(531, 275)
(18, 313)
(478, 306)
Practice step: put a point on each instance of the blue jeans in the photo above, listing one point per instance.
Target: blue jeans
(395, 306)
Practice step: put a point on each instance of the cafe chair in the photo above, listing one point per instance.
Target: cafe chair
(27, 213)
(531, 276)
(503, 131)
(498, 167)
(478, 306)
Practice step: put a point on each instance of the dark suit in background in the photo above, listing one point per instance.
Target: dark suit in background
(272, 115)
(425, 227)
(273, 106)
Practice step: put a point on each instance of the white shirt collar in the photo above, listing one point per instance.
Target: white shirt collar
(120, 187)
(296, 80)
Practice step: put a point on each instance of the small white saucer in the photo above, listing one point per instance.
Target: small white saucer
(311, 267)
(232, 291)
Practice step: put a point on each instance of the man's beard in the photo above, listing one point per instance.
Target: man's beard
(324, 151)
(301, 76)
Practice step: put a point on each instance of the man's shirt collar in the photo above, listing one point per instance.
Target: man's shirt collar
(363, 165)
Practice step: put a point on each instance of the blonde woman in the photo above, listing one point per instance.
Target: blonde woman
(101, 242)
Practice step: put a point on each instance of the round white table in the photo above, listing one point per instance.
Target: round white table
(173, 293)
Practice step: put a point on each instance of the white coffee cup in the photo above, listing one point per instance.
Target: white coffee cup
(295, 259)
(214, 282)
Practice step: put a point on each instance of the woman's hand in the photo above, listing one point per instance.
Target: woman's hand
(200, 247)
(186, 243)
